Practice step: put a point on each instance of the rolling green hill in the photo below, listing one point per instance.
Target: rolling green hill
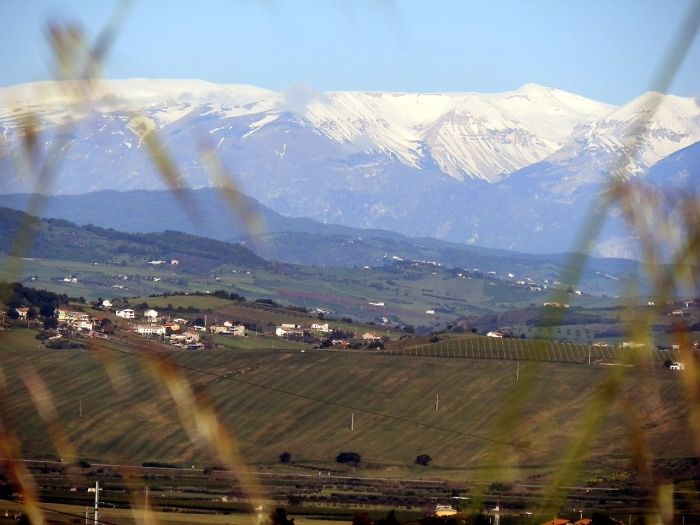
(130, 419)
(61, 240)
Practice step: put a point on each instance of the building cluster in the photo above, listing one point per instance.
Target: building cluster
(293, 329)
(177, 330)
(149, 324)
(79, 320)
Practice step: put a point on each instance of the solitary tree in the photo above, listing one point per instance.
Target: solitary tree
(423, 459)
(285, 457)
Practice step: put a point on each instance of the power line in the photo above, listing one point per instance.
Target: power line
(364, 410)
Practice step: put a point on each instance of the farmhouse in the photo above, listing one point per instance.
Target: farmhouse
(320, 327)
(150, 330)
(70, 315)
(83, 324)
(22, 312)
(494, 334)
(187, 337)
(368, 336)
(151, 314)
(287, 330)
(127, 313)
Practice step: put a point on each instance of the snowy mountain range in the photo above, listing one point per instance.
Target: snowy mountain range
(516, 170)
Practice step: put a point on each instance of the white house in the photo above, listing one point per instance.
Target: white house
(284, 331)
(151, 314)
(107, 303)
(320, 327)
(238, 330)
(127, 313)
(494, 334)
(430, 312)
(22, 312)
(83, 324)
(368, 336)
(150, 330)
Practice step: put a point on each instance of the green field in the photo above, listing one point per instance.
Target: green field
(407, 292)
(516, 349)
(128, 417)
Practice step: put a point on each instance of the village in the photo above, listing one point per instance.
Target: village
(189, 334)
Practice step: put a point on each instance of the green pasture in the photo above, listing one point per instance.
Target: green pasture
(344, 292)
(254, 342)
(201, 302)
(516, 349)
(128, 417)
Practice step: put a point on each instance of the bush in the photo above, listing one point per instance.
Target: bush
(279, 517)
(348, 457)
(423, 459)
(64, 344)
(158, 464)
(285, 457)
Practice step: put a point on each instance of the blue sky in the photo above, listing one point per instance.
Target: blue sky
(605, 50)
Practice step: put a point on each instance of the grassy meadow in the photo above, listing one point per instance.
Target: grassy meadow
(128, 418)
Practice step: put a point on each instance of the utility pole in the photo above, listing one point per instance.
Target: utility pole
(437, 402)
(80, 408)
(517, 372)
(352, 422)
(97, 496)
